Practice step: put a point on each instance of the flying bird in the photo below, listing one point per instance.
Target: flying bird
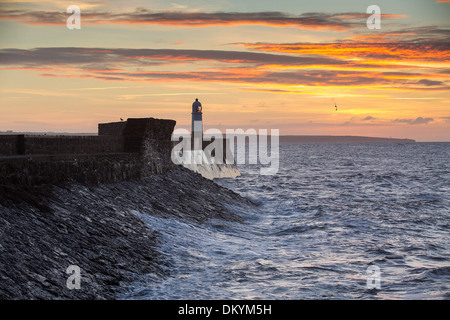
(335, 105)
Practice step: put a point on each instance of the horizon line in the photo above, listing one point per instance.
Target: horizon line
(55, 133)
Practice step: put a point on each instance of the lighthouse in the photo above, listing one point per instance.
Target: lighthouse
(197, 125)
(195, 158)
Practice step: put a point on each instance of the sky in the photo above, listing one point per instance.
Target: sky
(253, 65)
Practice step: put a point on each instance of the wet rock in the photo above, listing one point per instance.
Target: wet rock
(46, 229)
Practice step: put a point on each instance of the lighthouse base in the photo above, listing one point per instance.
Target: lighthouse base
(207, 166)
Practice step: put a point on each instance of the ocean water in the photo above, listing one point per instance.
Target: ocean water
(331, 212)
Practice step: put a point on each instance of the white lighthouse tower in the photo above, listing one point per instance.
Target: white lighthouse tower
(197, 125)
(195, 158)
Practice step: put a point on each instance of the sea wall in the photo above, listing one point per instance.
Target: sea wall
(142, 150)
(11, 145)
(56, 169)
(111, 129)
(68, 201)
(73, 144)
(151, 138)
(126, 150)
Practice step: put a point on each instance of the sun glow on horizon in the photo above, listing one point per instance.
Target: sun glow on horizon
(250, 68)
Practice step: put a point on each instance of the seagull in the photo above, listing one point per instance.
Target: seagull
(335, 106)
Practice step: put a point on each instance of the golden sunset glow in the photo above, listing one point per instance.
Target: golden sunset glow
(252, 65)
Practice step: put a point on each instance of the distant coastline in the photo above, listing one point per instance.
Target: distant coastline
(284, 138)
(342, 139)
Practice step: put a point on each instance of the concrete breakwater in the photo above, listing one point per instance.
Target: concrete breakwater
(133, 149)
(45, 229)
(69, 201)
(122, 151)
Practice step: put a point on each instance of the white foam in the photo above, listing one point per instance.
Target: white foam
(207, 166)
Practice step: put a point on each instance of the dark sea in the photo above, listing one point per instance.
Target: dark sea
(332, 212)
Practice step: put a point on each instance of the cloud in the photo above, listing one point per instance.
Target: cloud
(412, 59)
(418, 120)
(430, 83)
(426, 50)
(420, 44)
(368, 118)
(74, 56)
(313, 20)
(122, 64)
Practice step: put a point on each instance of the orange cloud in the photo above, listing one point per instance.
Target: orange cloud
(385, 51)
(237, 67)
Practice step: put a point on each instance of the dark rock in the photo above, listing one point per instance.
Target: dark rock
(47, 228)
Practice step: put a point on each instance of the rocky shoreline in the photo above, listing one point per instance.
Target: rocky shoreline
(46, 229)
